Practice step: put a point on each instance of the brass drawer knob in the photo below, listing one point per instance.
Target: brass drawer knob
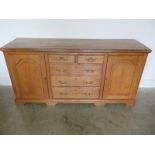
(90, 70)
(61, 70)
(63, 93)
(88, 82)
(90, 59)
(61, 58)
(88, 94)
(63, 82)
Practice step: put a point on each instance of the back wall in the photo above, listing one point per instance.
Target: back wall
(142, 30)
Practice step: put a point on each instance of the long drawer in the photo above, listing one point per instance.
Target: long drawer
(76, 92)
(76, 69)
(75, 81)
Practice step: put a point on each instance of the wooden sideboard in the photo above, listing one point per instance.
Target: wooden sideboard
(95, 71)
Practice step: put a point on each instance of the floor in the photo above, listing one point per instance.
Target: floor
(77, 119)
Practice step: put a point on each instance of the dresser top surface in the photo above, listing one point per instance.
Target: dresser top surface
(75, 44)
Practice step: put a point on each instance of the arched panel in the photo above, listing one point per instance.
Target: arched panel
(120, 76)
(29, 73)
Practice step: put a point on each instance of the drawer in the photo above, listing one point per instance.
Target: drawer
(75, 81)
(61, 58)
(90, 59)
(76, 92)
(76, 69)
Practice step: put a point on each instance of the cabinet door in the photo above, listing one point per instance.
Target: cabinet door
(28, 75)
(122, 76)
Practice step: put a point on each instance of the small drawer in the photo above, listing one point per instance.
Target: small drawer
(61, 58)
(75, 81)
(76, 92)
(76, 69)
(90, 59)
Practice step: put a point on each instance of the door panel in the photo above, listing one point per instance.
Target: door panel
(120, 75)
(28, 75)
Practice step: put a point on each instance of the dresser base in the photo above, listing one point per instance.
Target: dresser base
(51, 102)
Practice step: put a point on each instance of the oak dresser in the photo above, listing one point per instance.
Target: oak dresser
(95, 71)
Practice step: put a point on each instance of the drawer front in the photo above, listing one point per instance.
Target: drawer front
(61, 58)
(90, 59)
(75, 92)
(61, 69)
(75, 81)
(90, 70)
(76, 69)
